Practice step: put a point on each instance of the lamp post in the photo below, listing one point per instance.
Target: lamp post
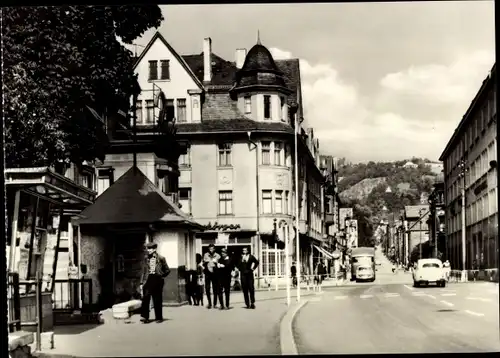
(420, 213)
(461, 174)
(297, 233)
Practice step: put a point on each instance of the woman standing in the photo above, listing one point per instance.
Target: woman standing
(200, 279)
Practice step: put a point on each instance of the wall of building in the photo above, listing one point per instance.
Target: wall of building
(93, 255)
(176, 87)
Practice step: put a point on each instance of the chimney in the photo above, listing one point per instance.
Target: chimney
(241, 54)
(207, 59)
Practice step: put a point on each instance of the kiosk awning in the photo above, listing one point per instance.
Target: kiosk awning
(46, 183)
(324, 252)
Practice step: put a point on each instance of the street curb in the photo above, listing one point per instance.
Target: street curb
(287, 341)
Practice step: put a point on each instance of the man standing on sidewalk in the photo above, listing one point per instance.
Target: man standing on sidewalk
(154, 271)
(225, 267)
(211, 260)
(247, 266)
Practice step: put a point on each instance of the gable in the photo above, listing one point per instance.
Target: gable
(182, 77)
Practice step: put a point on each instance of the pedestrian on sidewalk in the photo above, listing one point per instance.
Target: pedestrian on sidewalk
(247, 265)
(225, 268)
(200, 280)
(293, 271)
(319, 275)
(154, 271)
(210, 260)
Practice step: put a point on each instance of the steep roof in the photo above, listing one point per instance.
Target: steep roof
(232, 126)
(158, 36)
(133, 198)
(223, 72)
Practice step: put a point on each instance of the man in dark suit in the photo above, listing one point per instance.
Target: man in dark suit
(154, 271)
(225, 267)
(247, 265)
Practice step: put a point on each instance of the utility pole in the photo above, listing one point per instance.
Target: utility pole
(463, 171)
(420, 224)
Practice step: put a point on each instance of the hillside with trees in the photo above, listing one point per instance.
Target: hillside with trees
(364, 187)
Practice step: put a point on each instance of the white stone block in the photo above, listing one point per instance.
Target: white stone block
(19, 339)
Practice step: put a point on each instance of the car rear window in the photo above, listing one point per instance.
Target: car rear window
(433, 265)
(363, 268)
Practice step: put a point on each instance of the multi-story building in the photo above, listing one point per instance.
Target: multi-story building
(470, 162)
(237, 175)
(437, 217)
(416, 225)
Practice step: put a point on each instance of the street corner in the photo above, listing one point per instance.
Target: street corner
(287, 340)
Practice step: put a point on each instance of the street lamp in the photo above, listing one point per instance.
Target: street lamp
(461, 174)
(421, 212)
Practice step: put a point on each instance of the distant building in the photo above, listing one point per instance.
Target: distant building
(417, 229)
(410, 165)
(473, 148)
(436, 168)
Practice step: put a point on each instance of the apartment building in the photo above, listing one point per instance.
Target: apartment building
(237, 175)
(470, 161)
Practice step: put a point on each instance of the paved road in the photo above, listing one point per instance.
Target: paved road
(394, 317)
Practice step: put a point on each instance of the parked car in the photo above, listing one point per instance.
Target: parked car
(429, 271)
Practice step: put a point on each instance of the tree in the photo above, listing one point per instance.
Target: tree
(58, 63)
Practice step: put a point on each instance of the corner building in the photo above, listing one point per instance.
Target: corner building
(474, 143)
(237, 176)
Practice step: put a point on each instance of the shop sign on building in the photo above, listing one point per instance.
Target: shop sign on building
(222, 239)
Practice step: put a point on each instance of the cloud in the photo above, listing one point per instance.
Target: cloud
(441, 83)
(413, 112)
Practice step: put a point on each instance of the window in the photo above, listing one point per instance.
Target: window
(165, 69)
(248, 105)
(278, 202)
(283, 109)
(286, 200)
(181, 110)
(185, 200)
(138, 111)
(267, 201)
(103, 180)
(153, 70)
(225, 155)
(149, 111)
(287, 155)
(278, 149)
(170, 110)
(225, 202)
(267, 107)
(185, 159)
(266, 153)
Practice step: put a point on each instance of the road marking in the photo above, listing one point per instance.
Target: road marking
(408, 287)
(447, 303)
(474, 313)
(391, 295)
(339, 297)
(478, 299)
(419, 293)
(366, 296)
(448, 294)
(431, 296)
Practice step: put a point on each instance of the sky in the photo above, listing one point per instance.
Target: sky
(380, 81)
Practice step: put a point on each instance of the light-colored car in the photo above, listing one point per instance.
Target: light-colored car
(365, 273)
(429, 271)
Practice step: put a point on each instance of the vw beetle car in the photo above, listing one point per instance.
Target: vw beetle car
(429, 271)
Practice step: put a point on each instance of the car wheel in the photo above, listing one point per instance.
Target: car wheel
(415, 284)
(443, 283)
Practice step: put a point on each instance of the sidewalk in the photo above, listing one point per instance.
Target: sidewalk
(188, 330)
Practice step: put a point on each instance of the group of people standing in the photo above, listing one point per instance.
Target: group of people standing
(215, 272)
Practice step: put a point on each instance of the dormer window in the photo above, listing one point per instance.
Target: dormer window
(248, 104)
(153, 70)
(267, 107)
(165, 69)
